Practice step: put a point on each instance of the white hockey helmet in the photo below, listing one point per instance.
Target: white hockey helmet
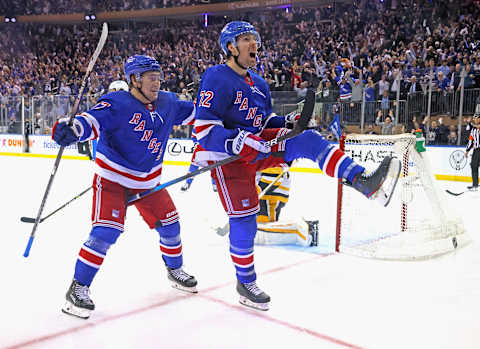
(118, 85)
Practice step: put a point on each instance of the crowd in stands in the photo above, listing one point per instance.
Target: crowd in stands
(340, 51)
(43, 7)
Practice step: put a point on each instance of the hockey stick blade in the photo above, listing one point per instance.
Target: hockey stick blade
(300, 126)
(91, 64)
(307, 111)
(454, 194)
(29, 220)
(32, 220)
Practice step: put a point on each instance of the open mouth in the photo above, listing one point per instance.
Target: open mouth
(253, 55)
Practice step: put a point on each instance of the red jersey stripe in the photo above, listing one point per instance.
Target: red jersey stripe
(171, 250)
(91, 257)
(242, 261)
(332, 162)
(128, 175)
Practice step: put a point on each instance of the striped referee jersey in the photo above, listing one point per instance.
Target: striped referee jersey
(474, 139)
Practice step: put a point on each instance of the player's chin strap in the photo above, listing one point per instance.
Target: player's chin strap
(235, 58)
(139, 89)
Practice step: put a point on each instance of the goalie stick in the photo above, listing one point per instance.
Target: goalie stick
(300, 126)
(32, 220)
(96, 53)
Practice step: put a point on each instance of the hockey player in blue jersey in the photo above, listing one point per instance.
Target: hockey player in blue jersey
(133, 129)
(234, 117)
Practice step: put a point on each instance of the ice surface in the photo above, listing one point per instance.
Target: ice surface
(319, 299)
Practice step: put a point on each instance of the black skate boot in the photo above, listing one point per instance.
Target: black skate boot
(181, 280)
(313, 231)
(472, 187)
(186, 186)
(78, 301)
(252, 296)
(380, 184)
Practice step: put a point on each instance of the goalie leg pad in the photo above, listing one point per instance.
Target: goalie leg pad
(283, 233)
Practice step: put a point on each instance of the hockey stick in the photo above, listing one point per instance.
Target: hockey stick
(454, 194)
(94, 58)
(264, 191)
(32, 220)
(300, 126)
(460, 193)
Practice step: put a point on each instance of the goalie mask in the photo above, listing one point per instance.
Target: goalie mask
(234, 29)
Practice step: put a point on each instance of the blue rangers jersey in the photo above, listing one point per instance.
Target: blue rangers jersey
(228, 102)
(133, 136)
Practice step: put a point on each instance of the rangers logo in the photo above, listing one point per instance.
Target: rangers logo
(154, 114)
(458, 160)
(101, 105)
(256, 90)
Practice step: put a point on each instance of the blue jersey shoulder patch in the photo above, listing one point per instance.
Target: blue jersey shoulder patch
(101, 105)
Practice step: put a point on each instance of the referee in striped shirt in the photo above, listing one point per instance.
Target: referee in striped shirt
(474, 142)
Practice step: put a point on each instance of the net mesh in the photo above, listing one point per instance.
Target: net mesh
(415, 225)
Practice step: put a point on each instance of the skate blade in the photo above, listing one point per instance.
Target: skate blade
(384, 194)
(184, 288)
(73, 310)
(222, 231)
(257, 306)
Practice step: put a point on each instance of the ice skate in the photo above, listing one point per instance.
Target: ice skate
(252, 296)
(78, 301)
(472, 188)
(186, 186)
(181, 280)
(313, 232)
(380, 184)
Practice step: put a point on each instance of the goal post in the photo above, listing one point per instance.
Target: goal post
(417, 224)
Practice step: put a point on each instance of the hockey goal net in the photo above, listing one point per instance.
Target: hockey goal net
(415, 225)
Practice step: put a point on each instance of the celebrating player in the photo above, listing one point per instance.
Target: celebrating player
(234, 117)
(133, 129)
